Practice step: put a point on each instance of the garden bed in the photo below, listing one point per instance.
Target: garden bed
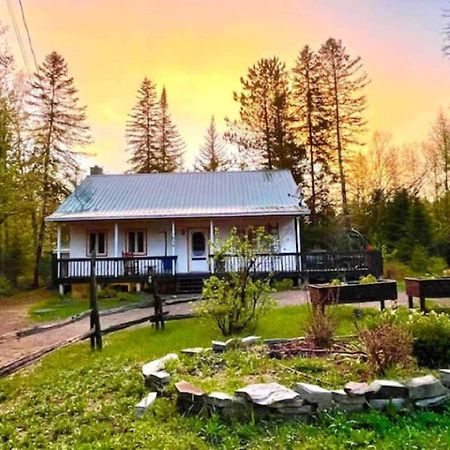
(326, 294)
(426, 287)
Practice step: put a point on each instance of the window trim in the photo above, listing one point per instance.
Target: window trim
(88, 235)
(135, 230)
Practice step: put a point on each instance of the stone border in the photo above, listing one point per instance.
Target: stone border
(301, 401)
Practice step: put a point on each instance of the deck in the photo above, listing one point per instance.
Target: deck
(314, 266)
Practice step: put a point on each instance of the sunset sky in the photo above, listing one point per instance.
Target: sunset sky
(198, 49)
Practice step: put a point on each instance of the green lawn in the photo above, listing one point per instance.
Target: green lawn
(57, 308)
(75, 399)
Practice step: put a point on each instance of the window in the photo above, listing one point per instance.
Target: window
(96, 242)
(198, 243)
(136, 242)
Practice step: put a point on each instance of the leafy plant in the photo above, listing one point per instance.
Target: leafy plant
(431, 338)
(5, 287)
(336, 282)
(368, 279)
(387, 342)
(236, 302)
(286, 284)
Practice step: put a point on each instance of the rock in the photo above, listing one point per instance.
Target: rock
(157, 364)
(444, 375)
(432, 402)
(383, 404)
(194, 351)
(157, 380)
(386, 389)
(355, 389)
(190, 399)
(349, 403)
(220, 346)
(250, 340)
(425, 387)
(219, 399)
(272, 395)
(145, 404)
(314, 394)
(276, 341)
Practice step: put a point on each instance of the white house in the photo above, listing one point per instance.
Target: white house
(139, 224)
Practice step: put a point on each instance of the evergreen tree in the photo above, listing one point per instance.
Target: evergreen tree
(142, 130)
(265, 115)
(58, 125)
(311, 128)
(170, 146)
(212, 156)
(343, 80)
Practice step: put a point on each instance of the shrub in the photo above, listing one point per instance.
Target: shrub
(322, 327)
(387, 342)
(419, 259)
(286, 284)
(5, 287)
(431, 338)
(237, 301)
(107, 292)
(436, 265)
(395, 270)
(368, 279)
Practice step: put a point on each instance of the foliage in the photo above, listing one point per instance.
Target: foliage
(237, 301)
(322, 327)
(336, 282)
(5, 287)
(431, 334)
(286, 284)
(387, 342)
(368, 279)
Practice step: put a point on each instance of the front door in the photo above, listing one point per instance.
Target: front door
(198, 251)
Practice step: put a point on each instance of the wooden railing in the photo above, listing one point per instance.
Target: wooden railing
(135, 268)
(362, 262)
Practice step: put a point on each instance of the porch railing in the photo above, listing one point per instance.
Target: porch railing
(361, 262)
(135, 268)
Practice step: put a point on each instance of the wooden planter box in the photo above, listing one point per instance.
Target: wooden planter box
(326, 294)
(426, 287)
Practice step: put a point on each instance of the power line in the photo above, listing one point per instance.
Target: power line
(18, 36)
(28, 34)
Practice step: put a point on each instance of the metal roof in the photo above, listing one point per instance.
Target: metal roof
(178, 195)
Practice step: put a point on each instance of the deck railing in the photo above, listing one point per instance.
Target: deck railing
(138, 268)
(134, 268)
(361, 262)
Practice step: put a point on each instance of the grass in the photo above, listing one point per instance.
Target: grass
(77, 399)
(55, 307)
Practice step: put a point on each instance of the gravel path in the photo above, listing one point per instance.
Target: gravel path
(16, 348)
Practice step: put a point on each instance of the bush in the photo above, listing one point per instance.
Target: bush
(419, 259)
(431, 338)
(368, 279)
(286, 284)
(321, 328)
(387, 342)
(5, 287)
(395, 270)
(436, 265)
(107, 292)
(236, 302)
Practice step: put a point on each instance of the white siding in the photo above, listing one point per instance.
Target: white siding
(156, 229)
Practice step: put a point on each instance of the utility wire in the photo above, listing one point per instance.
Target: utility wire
(18, 36)
(28, 34)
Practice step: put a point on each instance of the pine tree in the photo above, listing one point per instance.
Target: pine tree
(142, 130)
(311, 127)
(212, 156)
(265, 115)
(170, 146)
(58, 125)
(343, 80)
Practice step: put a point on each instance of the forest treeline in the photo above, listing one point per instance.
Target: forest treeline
(308, 118)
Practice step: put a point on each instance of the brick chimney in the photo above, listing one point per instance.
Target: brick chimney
(96, 170)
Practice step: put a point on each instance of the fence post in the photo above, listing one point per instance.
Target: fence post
(96, 337)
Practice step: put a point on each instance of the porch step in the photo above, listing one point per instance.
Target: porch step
(190, 284)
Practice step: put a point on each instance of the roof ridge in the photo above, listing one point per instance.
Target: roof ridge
(191, 172)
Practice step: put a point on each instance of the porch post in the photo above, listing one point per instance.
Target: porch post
(116, 240)
(58, 256)
(173, 243)
(211, 239)
(298, 242)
